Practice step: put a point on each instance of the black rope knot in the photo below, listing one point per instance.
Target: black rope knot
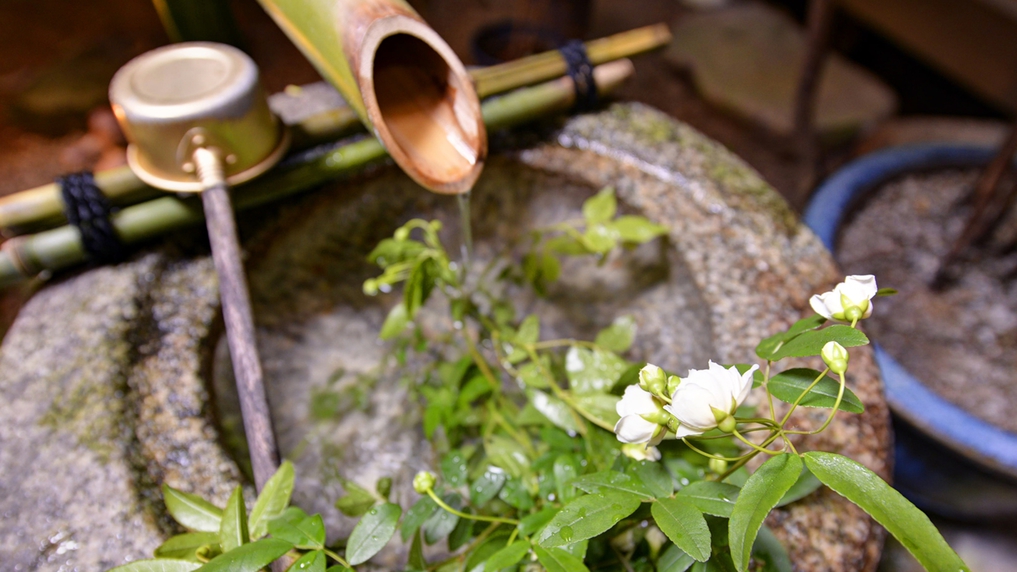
(579, 68)
(88, 210)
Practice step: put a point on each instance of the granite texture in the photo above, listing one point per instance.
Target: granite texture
(113, 383)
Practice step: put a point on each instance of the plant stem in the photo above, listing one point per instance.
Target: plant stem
(461, 514)
(794, 405)
(829, 418)
(336, 557)
(753, 445)
(711, 455)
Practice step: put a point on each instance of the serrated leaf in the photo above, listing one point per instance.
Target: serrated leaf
(595, 483)
(249, 557)
(191, 511)
(558, 560)
(508, 556)
(415, 517)
(788, 385)
(586, 517)
(617, 337)
(272, 500)
(395, 322)
(771, 344)
(487, 485)
(711, 497)
(682, 522)
(556, 410)
(898, 515)
(674, 559)
(160, 565)
(806, 484)
(601, 207)
(442, 523)
(298, 528)
(593, 371)
(637, 229)
(654, 476)
(356, 501)
(233, 526)
(810, 343)
(314, 561)
(760, 494)
(372, 533)
(183, 546)
(770, 553)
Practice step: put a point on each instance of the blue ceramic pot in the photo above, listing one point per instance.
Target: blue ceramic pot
(947, 460)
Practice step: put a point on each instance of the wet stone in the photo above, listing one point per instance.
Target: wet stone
(140, 345)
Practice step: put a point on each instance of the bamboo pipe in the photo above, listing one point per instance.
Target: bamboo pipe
(25, 256)
(41, 208)
(400, 77)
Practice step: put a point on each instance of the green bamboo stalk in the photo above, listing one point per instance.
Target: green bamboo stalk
(25, 256)
(42, 207)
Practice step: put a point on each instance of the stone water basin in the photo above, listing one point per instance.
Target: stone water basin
(115, 380)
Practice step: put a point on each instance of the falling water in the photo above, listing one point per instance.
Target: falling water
(467, 230)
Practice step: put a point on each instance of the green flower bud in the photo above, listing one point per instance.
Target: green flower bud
(835, 357)
(423, 482)
(402, 233)
(673, 381)
(718, 466)
(371, 287)
(652, 379)
(725, 422)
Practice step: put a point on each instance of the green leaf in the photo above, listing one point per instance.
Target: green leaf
(314, 561)
(415, 517)
(529, 330)
(442, 523)
(372, 533)
(473, 389)
(806, 484)
(586, 517)
(595, 483)
(183, 546)
(390, 251)
(249, 557)
(533, 522)
(711, 497)
(902, 519)
(600, 405)
(556, 410)
(487, 485)
(558, 560)
(767, 347)
(356, 501)
(338, 568)
(160, 565)
(299, 529)
(637, 229)
(479, 555)
(565, 469)
(462, 533)
(565, 244)
(593, 371)
(532, 375)
(416, 558)
(515, 494)
(453, 469)
(233, 527)
(654, 476)
(191, 511)
(508, 556)
(682, 522)
(811, 343)
(788, 385)
(617, 337)
(886, 292)
(550, 268)
(674, 559)
(601, 207)
(758, 497)
(395, 322)
(272, 500)
(769, 552)
(506, 454)
(600, 238)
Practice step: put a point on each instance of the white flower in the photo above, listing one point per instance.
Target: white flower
(641, 452)
(634, 407)
(708, 396)
(848, 301)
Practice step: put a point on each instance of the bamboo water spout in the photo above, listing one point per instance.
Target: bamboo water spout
(400, 77)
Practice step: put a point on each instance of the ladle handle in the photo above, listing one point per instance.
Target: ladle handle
(236, 310)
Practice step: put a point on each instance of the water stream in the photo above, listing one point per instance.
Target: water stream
(466, 229)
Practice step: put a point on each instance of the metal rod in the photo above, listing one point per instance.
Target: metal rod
(237, 314)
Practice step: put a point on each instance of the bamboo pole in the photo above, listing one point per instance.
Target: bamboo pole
(23, 257)
(42, 207)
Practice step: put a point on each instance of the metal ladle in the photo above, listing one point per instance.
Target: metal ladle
(197, 121)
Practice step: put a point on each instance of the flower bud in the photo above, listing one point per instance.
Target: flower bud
(673, 381)
(652, 379)
(402, 233)
(718, 466)
(423, 482)
(835, 356)
(641, 451)
(728, 424)
(371, 287)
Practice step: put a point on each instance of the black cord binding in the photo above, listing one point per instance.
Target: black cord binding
(88, 209)
(579, 68)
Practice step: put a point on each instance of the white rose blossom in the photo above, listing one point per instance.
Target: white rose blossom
(852, 296)
(708, 396)
(634, 407)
